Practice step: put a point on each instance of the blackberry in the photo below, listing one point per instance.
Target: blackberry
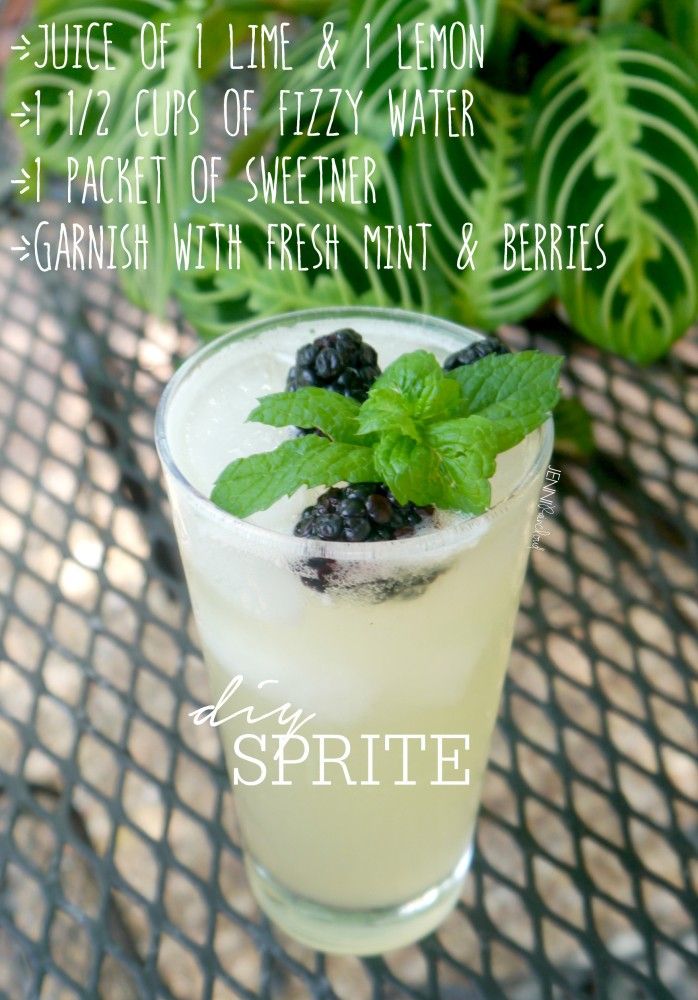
(340, 362)
(475, 352)
(360, 512)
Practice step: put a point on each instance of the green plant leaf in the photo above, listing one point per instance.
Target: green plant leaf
(417, 377)
(439, 400)
(514, 391)
(409, 373)
(462, 434)
(384, 16)
(614, 141)
(681, 23)
(620, 11)
(214, 300)
(427, 461)
(467, 486)
(450, 468)
(386, 410)
(467, 448)
(23, 79)
(409, 468)
(149, 289)
(335, 415)
(256, 482)
(478, 179)
(216, 39)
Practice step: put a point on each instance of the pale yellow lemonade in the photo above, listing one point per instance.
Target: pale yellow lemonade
(349, 867)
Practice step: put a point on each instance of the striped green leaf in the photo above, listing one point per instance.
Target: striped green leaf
(620, 11)
(149, 289)
(681, 23)
(614, 141)
(478, 179)
(384, 17)
(214, 299)
(23, 79)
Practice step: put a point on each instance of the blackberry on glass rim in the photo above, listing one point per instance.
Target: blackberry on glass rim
(476, 351)
(339, 361)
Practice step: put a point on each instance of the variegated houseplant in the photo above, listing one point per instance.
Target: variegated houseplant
(585, 112)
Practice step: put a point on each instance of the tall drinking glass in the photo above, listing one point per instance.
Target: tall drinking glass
(358, 827)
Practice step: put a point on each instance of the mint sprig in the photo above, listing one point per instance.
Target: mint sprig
(432, 437)
(255, 483)
(515, 391)
(336, 416)
(420, 382)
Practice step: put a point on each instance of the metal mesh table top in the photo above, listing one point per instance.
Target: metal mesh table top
(121, 874)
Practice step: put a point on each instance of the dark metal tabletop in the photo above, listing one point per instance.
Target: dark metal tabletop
(120, 868)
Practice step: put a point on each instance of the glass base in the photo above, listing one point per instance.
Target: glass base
(356, 932)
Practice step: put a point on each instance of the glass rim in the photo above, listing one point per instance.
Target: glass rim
(453, 535)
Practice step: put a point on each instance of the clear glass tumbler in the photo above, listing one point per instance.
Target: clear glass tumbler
(360, 843)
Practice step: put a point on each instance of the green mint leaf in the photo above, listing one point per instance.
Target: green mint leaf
(431, 437)
(335, 415)
(385, 411)
(465, 434)
(408, 468)
(419, 379)
(516, 392)
(467, 448)
(449, 468)
(438, 400)
(256, 482)
(409, 373)
(465, 486)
